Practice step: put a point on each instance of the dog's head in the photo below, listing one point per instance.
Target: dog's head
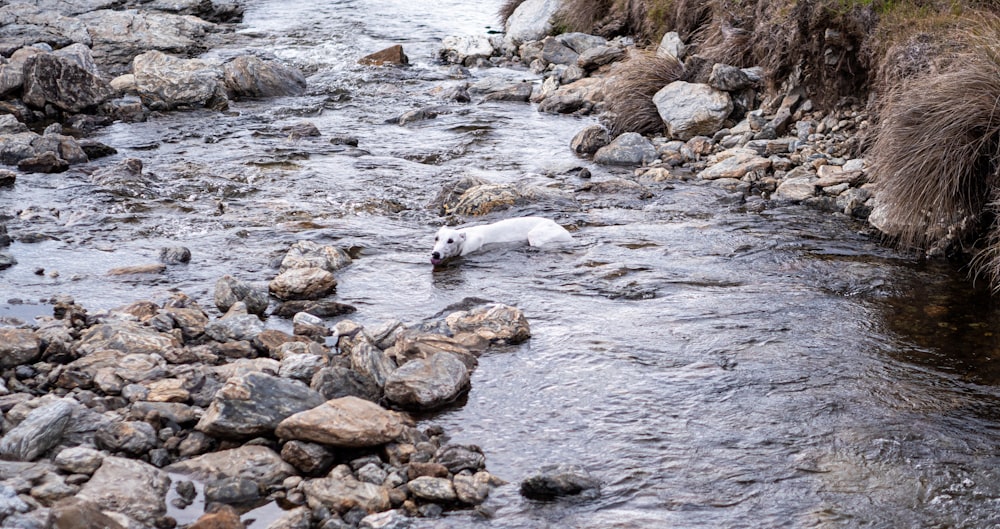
(447, 244)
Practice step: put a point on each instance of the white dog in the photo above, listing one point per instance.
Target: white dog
(536, 231)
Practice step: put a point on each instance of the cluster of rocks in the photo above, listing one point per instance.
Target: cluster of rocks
(86, 64)
(103, 411)
(715, 127)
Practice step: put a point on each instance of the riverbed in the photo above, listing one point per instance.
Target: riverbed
(713, 363)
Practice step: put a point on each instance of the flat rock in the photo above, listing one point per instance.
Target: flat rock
(253, 462)
(344, 422)
(737, 164)
(127, 337)
(433, 489)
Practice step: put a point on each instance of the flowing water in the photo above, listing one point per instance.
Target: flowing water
(714, 365)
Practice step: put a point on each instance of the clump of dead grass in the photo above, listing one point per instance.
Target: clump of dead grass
(936, 156)
(629, 101)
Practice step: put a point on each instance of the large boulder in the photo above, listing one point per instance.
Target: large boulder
(692, 109)
(344, 422)
(164, 82)
(67, 81)
(255, 404)
(247, 76)
(19, 346)
(532, 20)
(119, 36)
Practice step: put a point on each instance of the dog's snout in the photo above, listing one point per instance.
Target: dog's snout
(436, 255)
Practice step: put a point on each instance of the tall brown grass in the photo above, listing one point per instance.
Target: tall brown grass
(936, 156)
(629, 102)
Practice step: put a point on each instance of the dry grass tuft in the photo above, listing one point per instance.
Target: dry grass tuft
(936, 157)
(582, 15)
(630, 105)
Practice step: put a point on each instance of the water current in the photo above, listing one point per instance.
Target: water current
(714, 365)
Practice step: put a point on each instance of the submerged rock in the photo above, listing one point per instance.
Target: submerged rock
(252, 77)
(553, 481)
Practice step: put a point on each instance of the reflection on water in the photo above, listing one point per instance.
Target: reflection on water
(713, 366)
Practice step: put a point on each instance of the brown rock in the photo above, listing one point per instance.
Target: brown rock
(434, 470)
(72, 513)
(392, 55)
(341, 492)
(344, 422)
(223, 517)
(496, 323)
(157, 268)
(18, 346)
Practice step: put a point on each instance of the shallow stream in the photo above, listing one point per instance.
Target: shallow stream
(713, 365)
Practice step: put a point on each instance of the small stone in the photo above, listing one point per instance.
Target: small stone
(175, 255)
(79, 460)
(393, 56)
(232, 491)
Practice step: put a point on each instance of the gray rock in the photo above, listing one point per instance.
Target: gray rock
(134, 438)
(600, 56)
(555, 52)
(247, 76)
(495, 323)
(372, 473)
(457, 458)
(229, 290)
(341, 492)
(311, 254)
(17, 147)
(297, 518)
(691, 109)
(428, 383)
(465, 49)
(232, 491)
(18, 347)
(131, 487)
(65, 147)
(472, 489)
(235, 325)
(10, 125)
(796, 189)
(254, 404)
(164, 82)
(172, 411)
(127, 337)
(552, 481)
(212, 11)
(393, 519)
(309, 458)
(53, 79)
(590, 140)
(344, 422)
(301, 366)
(79, 460)
(630, 148)
(736, 164)
(24, 25)
(432, 489)
(335, 381)
(671, 45)
(46, 162)
(253, 462)
(302, 283)
(729, 78)
(530, 21)
(41, 430)
(10, 503)
(581, 42)
(517, 92)
(175, 255)
(367, 359)
(12, 75)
